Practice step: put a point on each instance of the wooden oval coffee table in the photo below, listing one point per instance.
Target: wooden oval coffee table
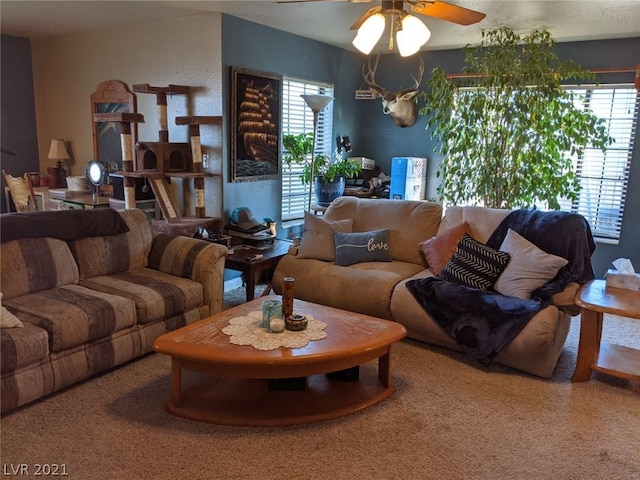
(246, 386)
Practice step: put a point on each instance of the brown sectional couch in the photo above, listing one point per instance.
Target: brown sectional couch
(89, 303)
(379, 288)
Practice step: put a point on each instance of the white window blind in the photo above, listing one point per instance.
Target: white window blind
(297, 118)
(604, 175)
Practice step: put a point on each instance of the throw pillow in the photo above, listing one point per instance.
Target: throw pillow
(360, 247)
(317, 237)
(528, 269)
(8, 319)
(474, 264)
(439, 249)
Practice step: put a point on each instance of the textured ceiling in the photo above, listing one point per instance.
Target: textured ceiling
(329, 21)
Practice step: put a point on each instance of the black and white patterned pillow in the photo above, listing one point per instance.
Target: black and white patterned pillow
(475, 265)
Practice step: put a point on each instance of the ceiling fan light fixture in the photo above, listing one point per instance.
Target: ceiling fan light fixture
(414, 34)
(369, 33)
(416, 28)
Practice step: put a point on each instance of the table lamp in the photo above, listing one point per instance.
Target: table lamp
(58, 151)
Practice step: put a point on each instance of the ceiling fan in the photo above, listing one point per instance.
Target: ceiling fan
(411, 33)
(432, 8)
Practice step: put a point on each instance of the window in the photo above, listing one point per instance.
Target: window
(604, 175)
(298, 118)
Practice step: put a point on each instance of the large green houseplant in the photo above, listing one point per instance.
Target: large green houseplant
(298, 151)
(508, 131)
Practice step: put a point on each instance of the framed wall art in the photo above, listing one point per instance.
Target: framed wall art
(256, 100)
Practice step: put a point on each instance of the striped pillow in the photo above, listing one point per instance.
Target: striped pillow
(475, 265)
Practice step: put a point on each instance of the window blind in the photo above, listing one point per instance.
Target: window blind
(297, 118)
(604, 176)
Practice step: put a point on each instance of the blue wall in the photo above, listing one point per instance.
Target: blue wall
(383, 140)
(256, 47)
(18, 120)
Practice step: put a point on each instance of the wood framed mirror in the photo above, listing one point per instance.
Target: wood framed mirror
(111, 96)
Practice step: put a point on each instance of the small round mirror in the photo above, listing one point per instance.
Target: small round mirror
(96, 173)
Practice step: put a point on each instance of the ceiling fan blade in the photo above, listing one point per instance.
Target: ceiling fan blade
(449, 12)
(361, 20)
(312, 1)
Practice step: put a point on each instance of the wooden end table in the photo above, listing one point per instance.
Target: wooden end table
(250, 269)
(236, 390)
(595, 299)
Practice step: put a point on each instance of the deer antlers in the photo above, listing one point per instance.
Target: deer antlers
(400, 106)
(369, 76)
(420, 74)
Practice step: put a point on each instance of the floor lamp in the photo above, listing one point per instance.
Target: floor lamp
(316, 103)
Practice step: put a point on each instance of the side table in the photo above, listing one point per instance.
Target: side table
(595, 299)
(250, 269)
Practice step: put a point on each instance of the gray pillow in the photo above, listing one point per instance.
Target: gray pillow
(474, 264)
(317, 239)
(529, 268)
(360, 247)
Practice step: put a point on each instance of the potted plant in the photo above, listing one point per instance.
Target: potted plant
(329, 175)
(508, 132)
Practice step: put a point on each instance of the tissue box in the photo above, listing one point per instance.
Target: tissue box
(623, 280)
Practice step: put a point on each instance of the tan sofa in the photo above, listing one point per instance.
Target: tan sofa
(379, 288)
(94, 293)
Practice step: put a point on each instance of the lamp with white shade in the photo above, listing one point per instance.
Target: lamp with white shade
(414, 34)
(369, 33)
(58, 152)
(316, 103)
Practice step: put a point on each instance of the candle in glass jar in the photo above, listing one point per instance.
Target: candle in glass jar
(276, 325)
(270, 309)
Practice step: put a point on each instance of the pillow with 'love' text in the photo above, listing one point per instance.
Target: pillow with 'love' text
(358, 247)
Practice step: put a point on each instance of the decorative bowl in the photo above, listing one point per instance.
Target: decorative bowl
(296, 323)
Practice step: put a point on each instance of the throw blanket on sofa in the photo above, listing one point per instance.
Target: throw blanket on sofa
(481, 322)
(63, 224)
(484, 322)
(567, 235)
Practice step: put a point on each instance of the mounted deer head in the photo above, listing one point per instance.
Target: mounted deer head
(400, 105)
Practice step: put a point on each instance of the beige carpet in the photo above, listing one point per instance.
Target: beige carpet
(447, 420)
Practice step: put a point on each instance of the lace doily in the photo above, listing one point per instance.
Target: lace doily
(246, 330)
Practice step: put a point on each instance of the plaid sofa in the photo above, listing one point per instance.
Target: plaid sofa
(94, 288)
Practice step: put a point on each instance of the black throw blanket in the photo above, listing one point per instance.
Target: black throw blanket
(481, 322)
(567, 235)
(63, 224)
(484, 322)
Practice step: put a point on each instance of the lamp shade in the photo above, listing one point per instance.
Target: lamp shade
(317, 102)
(369, 33)
(58, 150)
(414, 34)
